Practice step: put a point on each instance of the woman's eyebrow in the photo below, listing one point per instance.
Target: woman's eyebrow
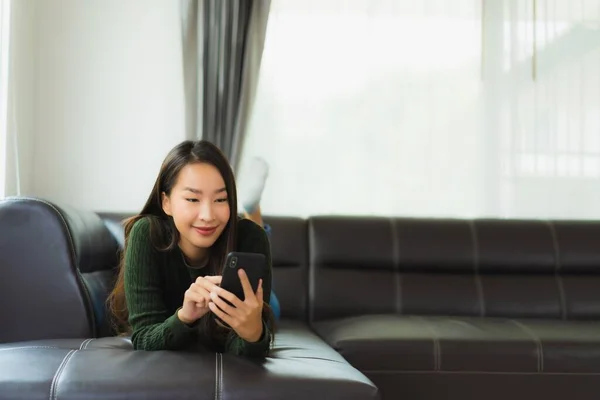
(197, 191)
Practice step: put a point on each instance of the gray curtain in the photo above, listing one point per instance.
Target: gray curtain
(222, 44)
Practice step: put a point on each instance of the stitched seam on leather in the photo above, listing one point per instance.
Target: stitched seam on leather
(437, 348)
(89, 307)
(478, 282)
(557, 268)
(29, 347)
(310, 273)
(83, 344)
(61, 367)
(400, 371)
(88, 343)
(396, 269)
(538, 342)
(216, 376)
(221, 376)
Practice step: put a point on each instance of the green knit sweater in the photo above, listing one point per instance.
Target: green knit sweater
(155, 283)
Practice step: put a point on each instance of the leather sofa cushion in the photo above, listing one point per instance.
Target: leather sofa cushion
(302, 366)
(46, 252)
(430, 343)
(28, 373)
(289, 247)
(100, 284)
(123, 343)
(566, 346)
(41, 250)
(482, 267)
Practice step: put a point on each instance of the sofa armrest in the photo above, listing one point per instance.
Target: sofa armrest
(44, 251)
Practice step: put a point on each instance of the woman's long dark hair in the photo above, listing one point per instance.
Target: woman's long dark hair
(165, 236)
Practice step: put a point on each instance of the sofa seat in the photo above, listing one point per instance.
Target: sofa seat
(48, 372)
(381, 343)
(301, 366)
(73, 344)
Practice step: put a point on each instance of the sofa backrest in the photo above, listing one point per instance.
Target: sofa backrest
(485, 267)
(46, 251)
(289, 251)
(332, 267)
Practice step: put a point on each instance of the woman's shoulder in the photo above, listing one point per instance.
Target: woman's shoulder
(249, 233)
(139, 234)
(139, 239)
(141, 227)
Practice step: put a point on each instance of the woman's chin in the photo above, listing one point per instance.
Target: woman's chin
(204, 243)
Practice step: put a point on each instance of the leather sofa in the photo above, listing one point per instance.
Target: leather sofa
(56, 268)
(469, 309)
(390, 307)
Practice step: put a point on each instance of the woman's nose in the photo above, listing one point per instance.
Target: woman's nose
(206, 211)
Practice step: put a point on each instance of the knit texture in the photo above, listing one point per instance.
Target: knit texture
(155, 284)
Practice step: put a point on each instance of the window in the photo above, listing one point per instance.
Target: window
(431, 108)
(4, 44)
(550, 148)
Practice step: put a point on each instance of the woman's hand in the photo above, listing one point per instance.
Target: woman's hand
(196, 299)
(244, 317)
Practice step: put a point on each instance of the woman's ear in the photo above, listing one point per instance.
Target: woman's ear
(166, 203)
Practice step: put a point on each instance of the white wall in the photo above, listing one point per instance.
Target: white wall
(21, 104)
(107, 100)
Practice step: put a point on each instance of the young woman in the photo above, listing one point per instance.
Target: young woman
(167, 293)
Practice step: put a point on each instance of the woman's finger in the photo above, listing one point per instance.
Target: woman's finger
(219, 313)
(216, 279)
(230, 297)
(259, 290)
(196, 297)
(229, 310)
(248, 292)
(207, 284)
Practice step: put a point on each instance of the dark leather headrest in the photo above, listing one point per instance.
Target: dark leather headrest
(43, 249)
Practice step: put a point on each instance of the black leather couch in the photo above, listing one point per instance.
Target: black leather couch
(56, 268)
(423, 308)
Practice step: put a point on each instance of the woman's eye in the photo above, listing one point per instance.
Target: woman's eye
(192, 200)
(224, 200)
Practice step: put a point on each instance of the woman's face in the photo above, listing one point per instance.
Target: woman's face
(199, 207)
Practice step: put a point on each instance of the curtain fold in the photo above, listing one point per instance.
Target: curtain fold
(222, 45)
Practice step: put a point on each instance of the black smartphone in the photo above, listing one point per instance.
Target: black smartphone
(255, 266)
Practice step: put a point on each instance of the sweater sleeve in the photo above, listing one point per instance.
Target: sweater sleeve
(255, 241)
(238, 346)
(153, 328)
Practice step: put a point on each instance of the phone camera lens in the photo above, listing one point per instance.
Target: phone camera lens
(233, 262)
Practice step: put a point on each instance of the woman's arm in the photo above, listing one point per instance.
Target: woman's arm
(153, 328)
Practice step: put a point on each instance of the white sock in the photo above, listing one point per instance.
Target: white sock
(252, 184)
